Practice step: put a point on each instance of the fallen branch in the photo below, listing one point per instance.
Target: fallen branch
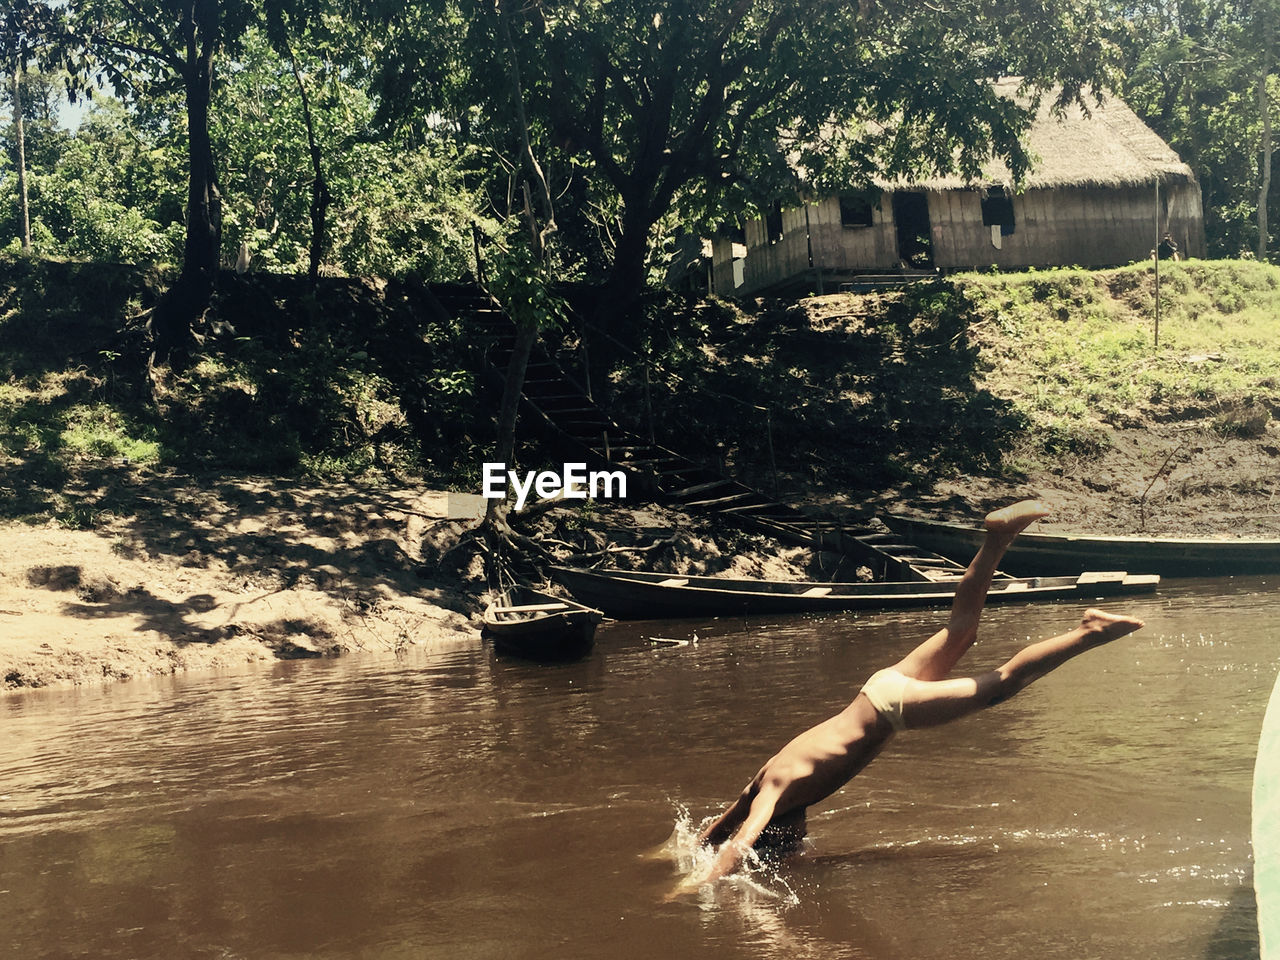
(610, 550)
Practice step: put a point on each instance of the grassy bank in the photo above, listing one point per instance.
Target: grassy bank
(999, 375)
(352, 379)
(1075, 351)
(984, 382)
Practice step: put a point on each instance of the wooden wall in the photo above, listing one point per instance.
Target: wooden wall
(1080, 227)
(1088, 227)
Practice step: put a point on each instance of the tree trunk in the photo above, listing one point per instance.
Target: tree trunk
(24, 215)
(626, 280)
(189, 298)
(1264, 105)
(495, 528)
(204, 201)
(509, 410)
(320, 195)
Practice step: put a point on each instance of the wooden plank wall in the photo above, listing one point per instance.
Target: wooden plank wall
(1063, 227)
(1077, 227)
(840, 249)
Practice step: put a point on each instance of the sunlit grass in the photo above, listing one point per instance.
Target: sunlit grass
(46, 416)
(1077, 349)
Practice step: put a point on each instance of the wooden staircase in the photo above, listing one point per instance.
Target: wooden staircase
(558, 404)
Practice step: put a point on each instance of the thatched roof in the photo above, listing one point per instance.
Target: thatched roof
(1109, 146)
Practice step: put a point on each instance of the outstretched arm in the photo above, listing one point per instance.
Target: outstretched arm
(739, 845)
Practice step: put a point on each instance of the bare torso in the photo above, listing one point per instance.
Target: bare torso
(824, 758)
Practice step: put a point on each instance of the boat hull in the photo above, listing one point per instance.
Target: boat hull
(1266, 830)
(628, 595)
(1065, 554)
(567, 633)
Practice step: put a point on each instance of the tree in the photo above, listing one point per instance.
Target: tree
(521, 283)
(143, 47)
(1203, 73)
(24, 211)
(691, 100)
(23, 27)
(282, 27)
(399, 202)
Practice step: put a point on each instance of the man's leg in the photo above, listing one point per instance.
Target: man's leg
(935, 658)
(930, 704)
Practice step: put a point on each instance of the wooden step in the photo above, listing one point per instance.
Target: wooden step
(753, 509)
(580, 415)
(700, 488)
(649, 463)
(736, 498)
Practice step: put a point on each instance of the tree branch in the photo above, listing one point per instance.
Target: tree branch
(148, 24)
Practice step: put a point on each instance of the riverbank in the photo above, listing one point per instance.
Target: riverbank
(179, 574)
(133, 543)
(170, 572)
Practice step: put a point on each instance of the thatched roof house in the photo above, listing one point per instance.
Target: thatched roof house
(1089, 200)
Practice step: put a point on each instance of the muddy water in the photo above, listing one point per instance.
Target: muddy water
(461, 806)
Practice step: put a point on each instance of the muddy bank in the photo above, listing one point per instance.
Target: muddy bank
(180, 574)
(1181, 479)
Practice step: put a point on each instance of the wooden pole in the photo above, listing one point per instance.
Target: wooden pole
(773, 462)
(1157, 256)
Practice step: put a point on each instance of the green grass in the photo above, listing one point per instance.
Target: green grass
(1075, 350)
(50, 416)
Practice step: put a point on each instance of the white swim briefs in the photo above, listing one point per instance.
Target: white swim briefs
(885, 690)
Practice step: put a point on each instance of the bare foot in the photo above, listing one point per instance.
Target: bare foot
(1108, 626)
(1009, 521)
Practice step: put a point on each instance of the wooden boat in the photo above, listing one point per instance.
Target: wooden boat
(538, 626)
(1266, 830)
(1062, 554)
(628, 595)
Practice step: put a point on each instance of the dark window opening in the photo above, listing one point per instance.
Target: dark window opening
(733, 232)
(997, 210)
(855, 211)
(773, 223)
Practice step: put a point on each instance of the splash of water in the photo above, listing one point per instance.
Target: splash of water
(756, 878)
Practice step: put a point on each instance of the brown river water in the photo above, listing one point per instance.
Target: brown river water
(457, 805)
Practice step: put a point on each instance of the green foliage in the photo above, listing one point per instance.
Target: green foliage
(111, 192)
(346, 381)
(522, 285)
(397, 209)
(1190, 69)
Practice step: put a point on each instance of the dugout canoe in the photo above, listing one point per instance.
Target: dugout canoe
(537, 626)
(1266, 830)
(630, 595)
(1063, 554)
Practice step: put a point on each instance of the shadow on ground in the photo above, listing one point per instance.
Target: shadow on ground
(863, 392)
